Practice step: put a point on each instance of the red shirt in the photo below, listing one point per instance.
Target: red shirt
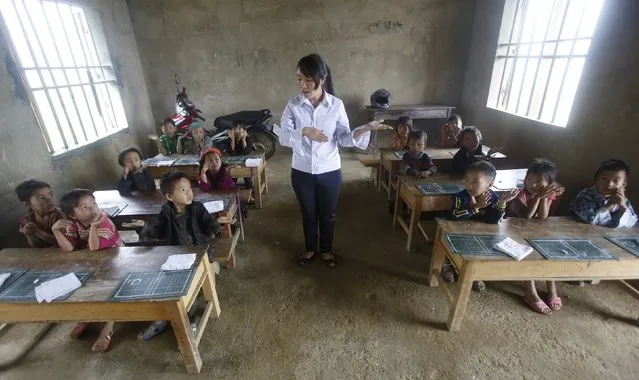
(30, 218)
(518, 207)
(78, 235)
(221, 180)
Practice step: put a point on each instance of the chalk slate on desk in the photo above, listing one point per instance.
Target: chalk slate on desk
(15, 274)
(23, 289)
(150, 285)
(474, 245)
(629, 243)
(234, 160)
(439, 188)
(186, 161)
(570, 249)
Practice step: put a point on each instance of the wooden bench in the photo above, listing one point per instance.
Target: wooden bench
(372, 163)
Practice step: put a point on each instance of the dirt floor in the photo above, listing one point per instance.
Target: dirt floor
(373, 317)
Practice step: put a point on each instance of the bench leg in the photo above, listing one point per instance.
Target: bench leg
(210, 293)
(415, 214)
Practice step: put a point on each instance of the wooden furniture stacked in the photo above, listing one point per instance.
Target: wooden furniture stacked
(147, 206)
(533, 267)
(417, 203)
(92, 302)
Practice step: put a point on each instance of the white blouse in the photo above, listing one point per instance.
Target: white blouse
(330, 117)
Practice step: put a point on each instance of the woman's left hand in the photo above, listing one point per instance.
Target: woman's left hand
(377, 125)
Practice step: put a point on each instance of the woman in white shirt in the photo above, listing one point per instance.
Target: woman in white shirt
(314, 124)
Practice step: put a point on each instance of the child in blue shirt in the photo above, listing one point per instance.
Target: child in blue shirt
(478, 202)
(605, 204)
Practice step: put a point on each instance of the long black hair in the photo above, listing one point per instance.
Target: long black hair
(314, 66)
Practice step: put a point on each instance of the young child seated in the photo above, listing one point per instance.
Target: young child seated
(538, 199)
(213, 173)
(182, 221)
(605, 203)
(134, 177)
(42, 213)
(402, 129)
(471, 149)
(87, 226)
(240, 144)
(170, 140)
(199, 141)
(449, 131)
(478, 202)
(416, 162)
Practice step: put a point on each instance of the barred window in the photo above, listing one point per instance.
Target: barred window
(61, 54)
(542, 48)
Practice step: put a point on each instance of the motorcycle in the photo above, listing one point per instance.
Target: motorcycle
(258, 124)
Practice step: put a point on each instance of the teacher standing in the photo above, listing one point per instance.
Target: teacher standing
(314, 124)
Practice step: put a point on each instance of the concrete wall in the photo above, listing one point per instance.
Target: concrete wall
(23, 152)
(604, 119)
(241, 54)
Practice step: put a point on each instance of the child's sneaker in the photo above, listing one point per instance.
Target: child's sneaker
(479, 286)
(448, 272)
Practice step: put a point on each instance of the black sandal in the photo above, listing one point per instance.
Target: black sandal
(330, 262)
(303, 261)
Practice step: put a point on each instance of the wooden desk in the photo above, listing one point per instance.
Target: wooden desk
(390, 164)
(191, 171)
(408, 193)
(91, 303)
(258, 175)
(534, 266)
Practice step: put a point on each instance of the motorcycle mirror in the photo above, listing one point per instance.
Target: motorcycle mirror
(177, 79)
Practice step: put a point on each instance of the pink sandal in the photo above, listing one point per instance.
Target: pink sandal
(78, 330)
(102, 343)
(539, 306)
(555, 303)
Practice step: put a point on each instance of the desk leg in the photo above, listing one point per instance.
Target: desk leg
(379, 175)
(265, 179)
(415, 214)
(257, 187)
(398, 199)
(208, 288)
(436, 260)
(460, 302)
(239, 212)
(184, 336)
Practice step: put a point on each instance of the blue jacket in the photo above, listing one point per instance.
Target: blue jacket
(462, 210)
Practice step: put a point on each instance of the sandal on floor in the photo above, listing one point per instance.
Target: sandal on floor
(539, 306)
(448, 273)
(302, 261)
(330, 262)
(479, 286)
(102, 343)
(154, 329)
(78, 330)
(555, 303)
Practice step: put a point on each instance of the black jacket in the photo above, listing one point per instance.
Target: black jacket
(201, 224)
(463, 158)
(140, 181)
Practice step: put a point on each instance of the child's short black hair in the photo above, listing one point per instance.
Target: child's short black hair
(612, 165)
(25, 190)
(417, 135)
(543, 167)
(168, 120)
(238, 123)
(469, 129)
(405, 120)
(455, 119)
(70, 200)
(483, 167)
(168, 180)
(126, 151)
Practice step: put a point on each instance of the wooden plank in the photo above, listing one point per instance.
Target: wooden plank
(184, 336)
(426, 111)
(225, 250)
(83, 311)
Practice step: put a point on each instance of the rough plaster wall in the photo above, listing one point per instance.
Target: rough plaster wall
(604, 118)
(23, 152)
(241, 54)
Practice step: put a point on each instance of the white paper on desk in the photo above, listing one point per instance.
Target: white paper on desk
(513, 249)
(214, 206)
(179, 262)
(253, 162)
(52, 289)
(111, 210)
(4, 277)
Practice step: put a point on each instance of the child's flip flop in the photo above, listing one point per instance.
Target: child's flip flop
(78, 329)
(539, 306)
(555, 303)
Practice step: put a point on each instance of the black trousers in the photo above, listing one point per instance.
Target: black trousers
(317, 195)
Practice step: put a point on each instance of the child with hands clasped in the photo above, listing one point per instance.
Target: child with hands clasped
(471, 149)
(538, 199)
(478, 202)
(449, 131)
(87, 226)
(170, 140)
(402, 129)
(605, 204)
(134, 177)
(240, 144)
(416, 162)
(42, 213)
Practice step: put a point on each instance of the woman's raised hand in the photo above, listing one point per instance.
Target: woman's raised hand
(314, 134)
(377, 125)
